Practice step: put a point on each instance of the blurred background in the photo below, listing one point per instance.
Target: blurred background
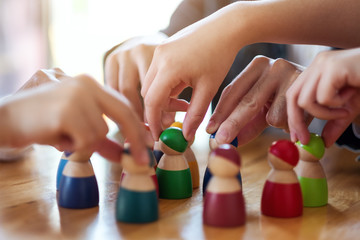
(70, 34)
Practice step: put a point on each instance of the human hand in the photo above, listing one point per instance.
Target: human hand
(126, 65)
(328, 89)
(254, 100)
(44, 76)
(198, 57)
(68, 116)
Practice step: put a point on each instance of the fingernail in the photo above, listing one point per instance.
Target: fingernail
(190, 135)
(210, 128)
(222, 137)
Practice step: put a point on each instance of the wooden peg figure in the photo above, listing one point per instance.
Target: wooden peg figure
(137, 200)
(281, 196)
(213, 145)
(152, 171)
(191, 160)
(311, 173)
(61, 166)
(224, 204)
(78, 186)
(173, 171)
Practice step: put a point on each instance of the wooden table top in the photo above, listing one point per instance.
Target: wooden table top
(29, 209)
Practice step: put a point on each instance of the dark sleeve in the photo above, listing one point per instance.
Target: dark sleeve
(349, 140)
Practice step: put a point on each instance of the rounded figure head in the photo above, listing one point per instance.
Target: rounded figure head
(173, 139)
(130, 166)
(213, 144)
(283, 155)
(314, 150)
(224, 161)
(180, 125)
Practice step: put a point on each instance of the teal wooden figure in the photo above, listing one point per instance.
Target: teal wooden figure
(173, 171)
(311, 174)
(137, 200)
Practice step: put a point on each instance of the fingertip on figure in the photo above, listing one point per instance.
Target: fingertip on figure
(214, 143)
(315, 145)
(174, 139)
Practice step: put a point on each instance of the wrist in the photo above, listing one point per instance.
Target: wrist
(242, 24)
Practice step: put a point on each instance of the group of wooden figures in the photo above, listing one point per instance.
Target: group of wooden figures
(173, 173)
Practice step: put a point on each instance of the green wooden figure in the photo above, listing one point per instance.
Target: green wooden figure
(311, 173)
(173, 171)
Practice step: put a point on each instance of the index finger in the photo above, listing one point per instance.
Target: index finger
(117, 108)
(200, 101)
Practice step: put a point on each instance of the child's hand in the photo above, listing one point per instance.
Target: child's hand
(68, 116)
(328, 89)
(197, 57)
(42, 76)
(126, 65)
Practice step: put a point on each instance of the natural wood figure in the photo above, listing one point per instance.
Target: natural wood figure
(78, 186)
(224, 204)
(311, 173)
(137, 200)
(213, 145)
(173, 171)
(152, 171)
(281, 196)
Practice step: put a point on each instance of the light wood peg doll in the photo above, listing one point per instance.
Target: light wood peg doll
(153, 164)
(224, 204)
(281, 196)
(311, 173)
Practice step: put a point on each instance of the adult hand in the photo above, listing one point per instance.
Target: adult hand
(328, 89)
(68, 116)
(254, 100)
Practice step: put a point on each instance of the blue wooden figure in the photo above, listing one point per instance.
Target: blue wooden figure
(78, 186)
(137, 200)
(207, 175)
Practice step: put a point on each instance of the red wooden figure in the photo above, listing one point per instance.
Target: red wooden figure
(281, 195)
(224, 204)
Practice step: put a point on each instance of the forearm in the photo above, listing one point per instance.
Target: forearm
(322, 22)
(188, 12)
